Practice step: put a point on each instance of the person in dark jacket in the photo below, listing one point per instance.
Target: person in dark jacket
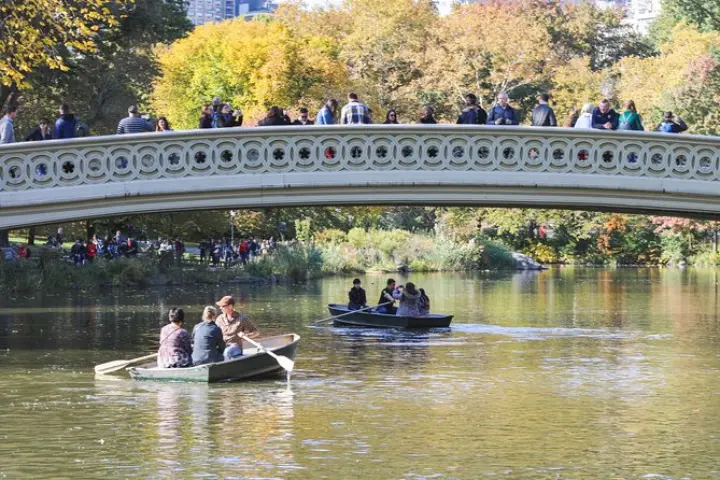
(472, 114)
(502, 113)
(669, 125)
(358, 298)
(206, 116)
(386, 296)
(391, 117)
(304, 118)
(275, 117)
(41, 132)
(208, 339)
(428, 116)
(224, 118)
(604, 117)
(65, 124)
(543, 115)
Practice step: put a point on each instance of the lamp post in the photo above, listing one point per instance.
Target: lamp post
(232, 227)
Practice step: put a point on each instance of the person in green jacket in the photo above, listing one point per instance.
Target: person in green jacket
(630, 119)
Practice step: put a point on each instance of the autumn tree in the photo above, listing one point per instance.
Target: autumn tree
(44, 33)
(705, 14)
(252, 65)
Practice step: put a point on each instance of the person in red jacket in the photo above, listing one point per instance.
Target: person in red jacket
(91, 251)
(244, 251)
(23, 251)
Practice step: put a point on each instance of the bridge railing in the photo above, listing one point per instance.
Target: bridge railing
(381, 148)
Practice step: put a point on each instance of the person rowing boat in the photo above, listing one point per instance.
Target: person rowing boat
(235, 326)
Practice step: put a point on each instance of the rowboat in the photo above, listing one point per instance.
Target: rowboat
(254, 363)
(383, 320)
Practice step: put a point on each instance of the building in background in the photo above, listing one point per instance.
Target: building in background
(211, 11)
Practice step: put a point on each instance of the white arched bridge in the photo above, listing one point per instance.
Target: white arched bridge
(57, 181)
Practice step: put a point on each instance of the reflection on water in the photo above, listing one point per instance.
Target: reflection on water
(553, 375)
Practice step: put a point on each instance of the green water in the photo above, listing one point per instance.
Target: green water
(565, 374)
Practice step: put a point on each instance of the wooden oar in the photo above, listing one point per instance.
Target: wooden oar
(284, 362)
(117, 365)
(349, 313)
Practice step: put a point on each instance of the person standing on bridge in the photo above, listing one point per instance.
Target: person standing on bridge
(669, 125)
(41, 132)
(630, 119)
(304, 118)
(355, 112)
(133, 123)
(391, 117)
(502, 113)
(7, 125)
(472, 114)
(206, 117)
(604, 117)
(543, 115)
(327, 114)
(584, 120)
(65, 124)
(428, 116)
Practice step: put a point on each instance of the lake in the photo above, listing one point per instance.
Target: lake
(565, 374)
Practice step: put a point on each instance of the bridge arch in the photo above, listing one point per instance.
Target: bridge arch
(58, 181)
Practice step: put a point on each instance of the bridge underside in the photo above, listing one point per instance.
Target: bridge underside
(660, 196)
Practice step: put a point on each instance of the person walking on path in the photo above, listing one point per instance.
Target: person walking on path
(543, 115)
(502, 113)
(472, 114)
(355, 112)
(7, 125)
(133, 123)
(630, 119)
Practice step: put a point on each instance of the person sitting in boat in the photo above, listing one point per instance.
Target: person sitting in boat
(409, 298)
(358, 299)
(387, 296)
(175, 349)
(208, 339)
(234, 326)
(424, 303)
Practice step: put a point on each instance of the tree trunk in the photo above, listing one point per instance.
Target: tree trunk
(31, 236)
(4, 238)
(715, 241)
(89, 229)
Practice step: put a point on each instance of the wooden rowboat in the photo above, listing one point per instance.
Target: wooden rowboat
(382, 320)
(253, 363)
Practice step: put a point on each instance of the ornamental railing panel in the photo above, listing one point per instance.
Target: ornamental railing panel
(287, 150)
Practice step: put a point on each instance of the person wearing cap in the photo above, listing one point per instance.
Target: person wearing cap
(358, 299)
(234, 327)
(175, 350)
(304, 118)
(133, 123)
(208, 339)
(386, 296)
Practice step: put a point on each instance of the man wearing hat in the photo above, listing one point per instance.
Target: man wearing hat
(234, 327)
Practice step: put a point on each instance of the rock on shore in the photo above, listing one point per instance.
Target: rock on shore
(526, 263)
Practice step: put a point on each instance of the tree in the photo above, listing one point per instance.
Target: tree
(100, 85)
(38, 34)
(253, 65)
(705, 14)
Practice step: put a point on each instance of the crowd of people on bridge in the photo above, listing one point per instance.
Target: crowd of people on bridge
(412, 301)
(219, 114)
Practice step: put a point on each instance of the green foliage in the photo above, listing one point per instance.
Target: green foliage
(705, 14)
(303, 230)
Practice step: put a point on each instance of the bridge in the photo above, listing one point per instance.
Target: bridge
(59, 181)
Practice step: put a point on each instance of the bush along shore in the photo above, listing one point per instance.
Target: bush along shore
(329, 252)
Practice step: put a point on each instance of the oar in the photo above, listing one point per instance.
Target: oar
(350, 312)
(284, 362)
(116, 365)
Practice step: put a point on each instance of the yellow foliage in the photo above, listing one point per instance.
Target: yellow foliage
(32, 30)
(575, 84)
(252, 65)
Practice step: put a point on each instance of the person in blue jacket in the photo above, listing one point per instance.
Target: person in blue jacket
(502, 113)
(65, 124)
